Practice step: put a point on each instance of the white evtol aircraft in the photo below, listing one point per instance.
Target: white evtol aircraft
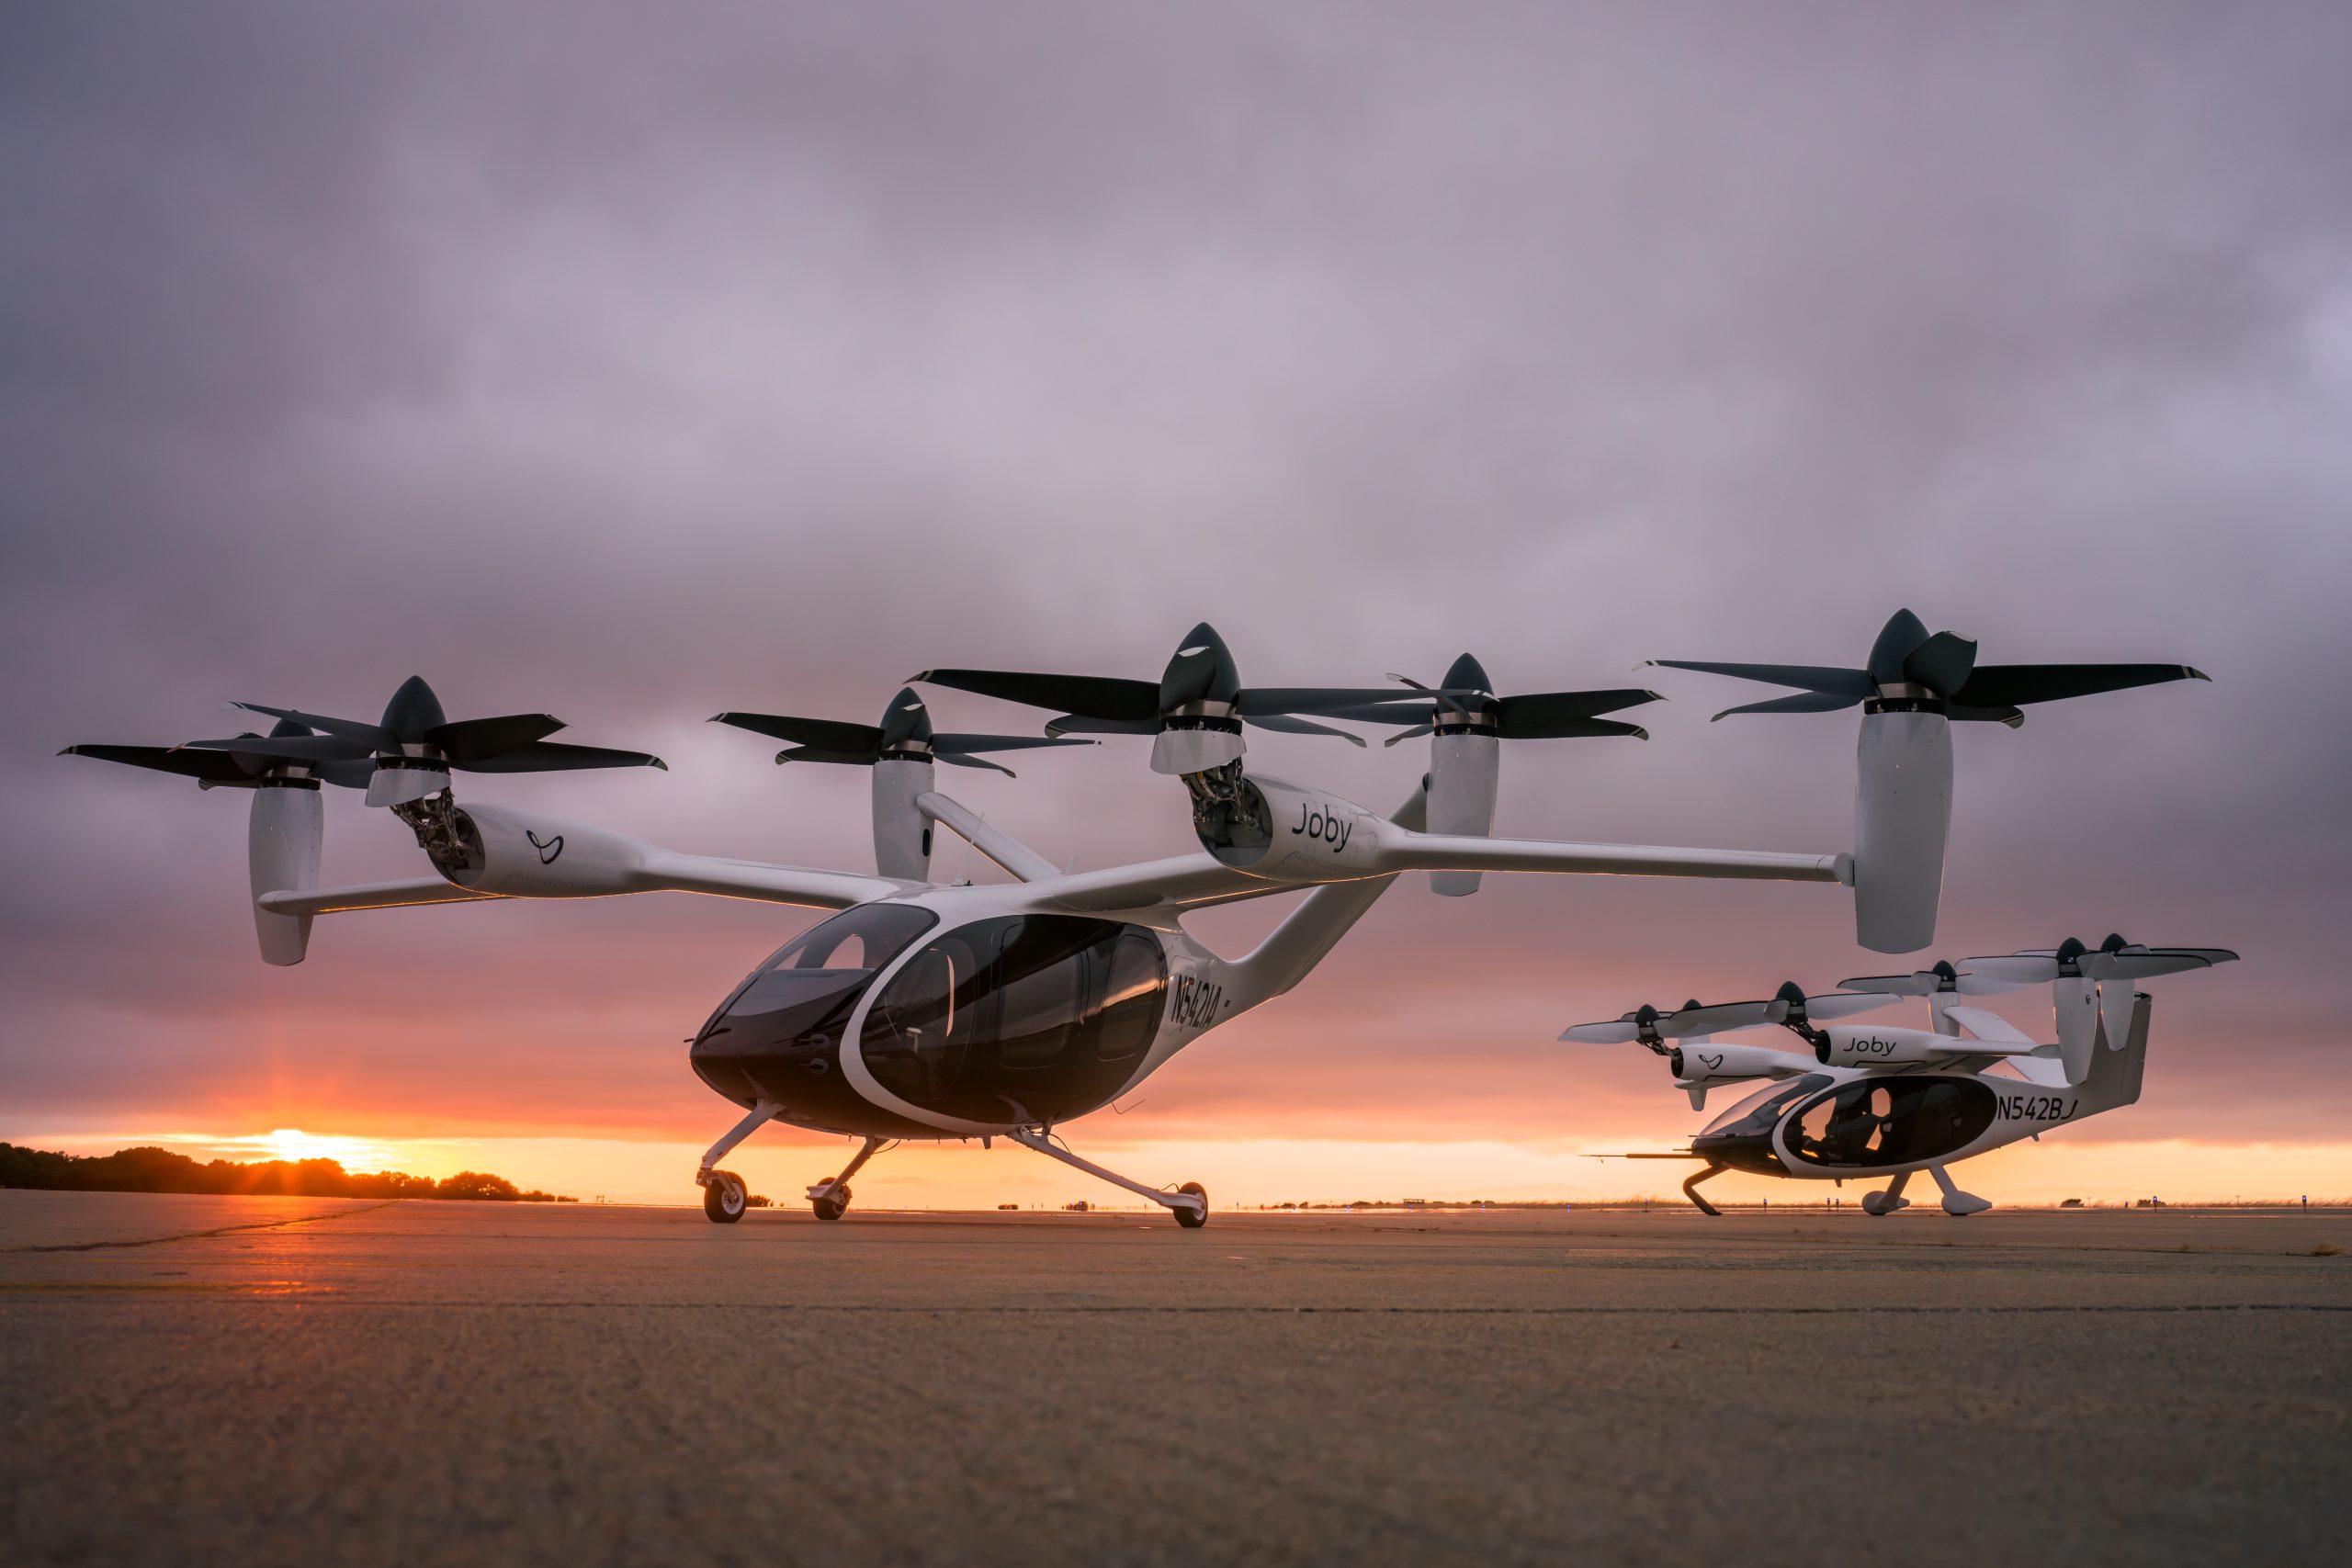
(1870, 1102)
(936, 1012)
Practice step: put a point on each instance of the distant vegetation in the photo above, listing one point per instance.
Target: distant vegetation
(160, 1171)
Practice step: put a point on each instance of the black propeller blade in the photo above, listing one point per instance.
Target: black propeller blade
(415, 729)
(241, 762)
(1465, 703)
(1910, 665)
(905, 731)
(1201, 685)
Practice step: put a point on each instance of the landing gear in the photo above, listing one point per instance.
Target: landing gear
(1189, 1204)
(829, 1198)
(1956, 1203)
(1887, 1202)
(1691, 1191)
(723, 1198)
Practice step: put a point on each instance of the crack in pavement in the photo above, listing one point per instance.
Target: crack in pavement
(197, 1235)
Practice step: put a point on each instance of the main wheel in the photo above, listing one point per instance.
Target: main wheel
(832, 1205)
(723, 1197)
(1193, 1219)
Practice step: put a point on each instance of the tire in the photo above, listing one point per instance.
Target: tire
(723, 1198)
(832, 1205)
(1193, 1219)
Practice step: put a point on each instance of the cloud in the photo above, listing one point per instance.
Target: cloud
(636, 368)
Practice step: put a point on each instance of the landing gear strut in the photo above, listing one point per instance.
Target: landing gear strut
(1189, 1204)
(724, 1197)
(1691, 1191)
(1956, 1203)
(830, 1198)
(1890, 1200)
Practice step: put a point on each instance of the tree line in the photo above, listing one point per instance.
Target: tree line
(147, 1169)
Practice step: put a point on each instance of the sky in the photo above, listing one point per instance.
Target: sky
(634, 365)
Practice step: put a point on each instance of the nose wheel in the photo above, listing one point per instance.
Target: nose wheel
(834, 1201)
(724, 1197)
(1194, 1214)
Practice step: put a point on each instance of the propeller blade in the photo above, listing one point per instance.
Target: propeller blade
(959, 760)
(556, 757)
(1807, 702)
(1942, 663)
(1079, 724)
(1833, 1006)
(291, 748)
(210, 767)
(1409, 734)
(2146, 965)
(1086, 697)
(2016, 969)
(1720, 1019)
(1393, 712)
(1576, 729)
(2009, 717)
(1523, 715)
(824, 734)
(2013, 685)
(1853, 684)
(375, 737)
(1299, 726)
(1617, 1032)
(819, 754)
(1322, 701)
(478, 739)
(969, 743)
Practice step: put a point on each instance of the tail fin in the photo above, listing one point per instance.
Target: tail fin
(2115, 1070)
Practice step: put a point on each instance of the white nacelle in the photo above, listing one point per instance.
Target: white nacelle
(1697, 1064)
(1308, 836)
(524, 854)
(283, 839)
(1464, 773)
(1902, 819)
(1854, 1045)
(901, 832)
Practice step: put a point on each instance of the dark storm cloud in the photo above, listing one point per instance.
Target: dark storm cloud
(637, 366)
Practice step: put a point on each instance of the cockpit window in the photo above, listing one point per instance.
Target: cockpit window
(864, 938)
(1757, 1115)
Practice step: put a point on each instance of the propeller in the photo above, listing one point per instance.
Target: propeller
(412, 750)
(905, 732)
(1911, 668)
(2114, 959)
(1942, 984)
(1194, 711)
(233, 765)
(1465, 703)
(1789, 1007)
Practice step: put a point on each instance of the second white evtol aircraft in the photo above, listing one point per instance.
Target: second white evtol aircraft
(938, 1012)
(1871, 1102)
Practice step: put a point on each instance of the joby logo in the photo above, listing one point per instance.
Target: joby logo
(1711, 1063)
(1317, 824)
(1872, 1045)
(548, 849)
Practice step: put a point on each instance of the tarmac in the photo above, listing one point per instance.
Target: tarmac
(284, 1380)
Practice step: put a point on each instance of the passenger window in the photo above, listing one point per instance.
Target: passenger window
(924, 1024)
(1042, 976)
(1137, 976)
